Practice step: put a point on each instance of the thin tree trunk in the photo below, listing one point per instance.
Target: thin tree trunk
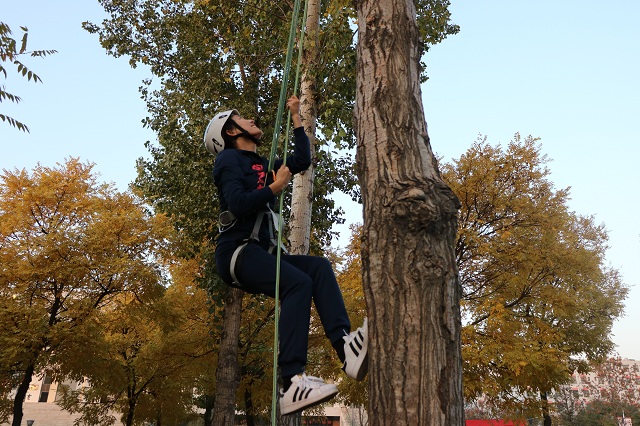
(302, 193)
(208, 410)
(248, 404)
(228, 372)
(545, 409)
(132, 400)
(410, 277)
(21, 393)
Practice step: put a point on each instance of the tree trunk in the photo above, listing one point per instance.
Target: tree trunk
(248, 404)
(228, 372)
(208, 410)
(132, 400)
(410, 277)
(21, 393)
(302, 193)
(546, 415)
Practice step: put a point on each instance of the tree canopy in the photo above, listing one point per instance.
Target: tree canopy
(149, 360)
(210, 55)
(69, 247)
(538, 299)
(207, 56)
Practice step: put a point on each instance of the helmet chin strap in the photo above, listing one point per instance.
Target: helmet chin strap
(246, 134)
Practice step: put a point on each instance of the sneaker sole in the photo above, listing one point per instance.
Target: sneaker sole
(359, 371)
(296, 407)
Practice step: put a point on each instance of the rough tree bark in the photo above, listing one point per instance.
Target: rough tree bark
(228, 371)
(410, 220)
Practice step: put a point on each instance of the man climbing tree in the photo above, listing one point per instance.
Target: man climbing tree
(410, 219)
(208, 56)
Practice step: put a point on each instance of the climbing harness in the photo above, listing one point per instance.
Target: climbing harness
(226, 221)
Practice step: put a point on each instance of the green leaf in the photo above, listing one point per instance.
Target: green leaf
(8, 53)
(14, 123)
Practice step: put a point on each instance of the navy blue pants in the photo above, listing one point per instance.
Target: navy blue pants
(303, 279)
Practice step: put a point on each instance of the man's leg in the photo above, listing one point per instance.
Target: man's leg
(326, 295)
(351, 347)
(257, 275)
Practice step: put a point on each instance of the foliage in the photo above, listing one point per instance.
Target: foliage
(603, 413)
(69, 247)
(352, 393)
(434, 24)
(537, 294)
(149, 359)
(208, 55)
(211, 55)
(9, 52)
(538, 300)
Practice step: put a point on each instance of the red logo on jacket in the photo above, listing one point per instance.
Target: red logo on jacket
(261, 175)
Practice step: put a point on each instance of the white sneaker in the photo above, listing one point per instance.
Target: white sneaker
(356, 362)
(304, 392)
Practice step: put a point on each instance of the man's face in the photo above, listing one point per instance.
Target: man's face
(248, 125)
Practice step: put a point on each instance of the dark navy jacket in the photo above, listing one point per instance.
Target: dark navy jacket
(243, 182)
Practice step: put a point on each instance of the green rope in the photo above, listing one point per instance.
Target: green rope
(285, 83)
(274, 144)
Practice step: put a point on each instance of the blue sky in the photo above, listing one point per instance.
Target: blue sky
(565, 71)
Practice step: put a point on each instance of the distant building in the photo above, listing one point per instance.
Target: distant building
(43, 390)
(617, 378)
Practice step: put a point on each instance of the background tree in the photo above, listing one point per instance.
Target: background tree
(10, 53)
(566, 406)
(599, 398)
(610, 390)
(68, 247)
(149, 357)
(538, 301)
(410, 221)
(606, 413)
(349, 275)
(617, 381)
(214, 55)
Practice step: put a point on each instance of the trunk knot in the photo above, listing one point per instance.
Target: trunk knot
(413, 193)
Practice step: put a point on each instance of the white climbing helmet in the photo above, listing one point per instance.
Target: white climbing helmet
(213, 140)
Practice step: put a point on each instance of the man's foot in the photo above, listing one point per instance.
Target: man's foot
(304, 392)
(356, 363)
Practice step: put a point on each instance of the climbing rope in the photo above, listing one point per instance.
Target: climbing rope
(274, 145)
